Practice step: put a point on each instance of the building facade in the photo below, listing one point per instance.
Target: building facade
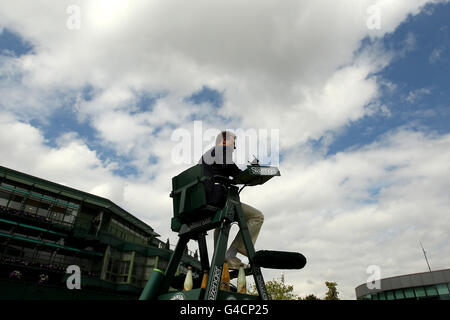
(433, 285)
(46, 227)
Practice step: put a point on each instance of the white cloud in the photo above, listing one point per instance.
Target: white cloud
(264, 57)
(327, 210)
(71, 162)
(435, 55)
(413, 96)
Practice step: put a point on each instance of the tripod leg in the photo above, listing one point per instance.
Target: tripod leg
(173, 264)
(215, 273)
(204, 259)
(257, 274)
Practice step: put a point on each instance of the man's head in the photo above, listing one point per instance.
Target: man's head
(226, 138)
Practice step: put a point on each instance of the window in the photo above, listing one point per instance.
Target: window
(58, 258)
(4, 198)
(399, 294)
(15, 202)
(124, 267)
(442, 289)
(31, 205)
(69, 219)
(30, 209)
(42, 212)
(3, 202)
(409, 293)
(56, 216)
(390, 295)
(44, 256)
(420, 292)
(431, 291)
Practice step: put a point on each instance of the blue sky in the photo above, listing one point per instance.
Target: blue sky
(413, 71)
(410, 72)
(363, 116)
(11, 41)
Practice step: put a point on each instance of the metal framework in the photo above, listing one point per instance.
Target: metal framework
(193, 217)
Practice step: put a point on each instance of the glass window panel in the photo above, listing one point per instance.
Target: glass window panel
(442, 289)
(56, 216)
(30, 209)
(3, 202)
(409, 293)
(431, 291)
(420, 292)
(68, 218)
(399, 294)
(72, 212)
(42, 212)
(44, 256)
(390, 295)
(4, 198)
(15, 205)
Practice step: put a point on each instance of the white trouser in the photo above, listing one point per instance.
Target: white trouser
(254, 219)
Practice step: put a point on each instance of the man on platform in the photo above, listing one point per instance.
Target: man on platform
(218, 161)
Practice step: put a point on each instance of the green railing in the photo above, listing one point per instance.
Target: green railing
(50, 244)
(30, 193)
(32, 227)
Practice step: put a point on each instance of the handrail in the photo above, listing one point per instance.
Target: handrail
(49, 244)
(62, 202)
(32, 227)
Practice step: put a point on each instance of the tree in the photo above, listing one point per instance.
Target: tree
(309, 297)
(277, 290)
(332, 293)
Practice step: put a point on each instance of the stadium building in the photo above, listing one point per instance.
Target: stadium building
(432, 285)
(46, 227)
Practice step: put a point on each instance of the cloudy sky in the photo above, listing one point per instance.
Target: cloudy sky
(355, 93)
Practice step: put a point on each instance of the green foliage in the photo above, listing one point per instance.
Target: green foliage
(279, 290)
(309, 297)
(332, 293)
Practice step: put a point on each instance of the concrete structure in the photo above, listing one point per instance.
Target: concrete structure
(46, 227)
(434, 285)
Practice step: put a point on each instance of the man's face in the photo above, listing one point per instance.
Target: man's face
(230, 142)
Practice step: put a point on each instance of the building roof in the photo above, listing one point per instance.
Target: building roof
(75, 194)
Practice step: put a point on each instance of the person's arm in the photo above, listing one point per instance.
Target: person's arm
(234, 171)
(230, 167)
